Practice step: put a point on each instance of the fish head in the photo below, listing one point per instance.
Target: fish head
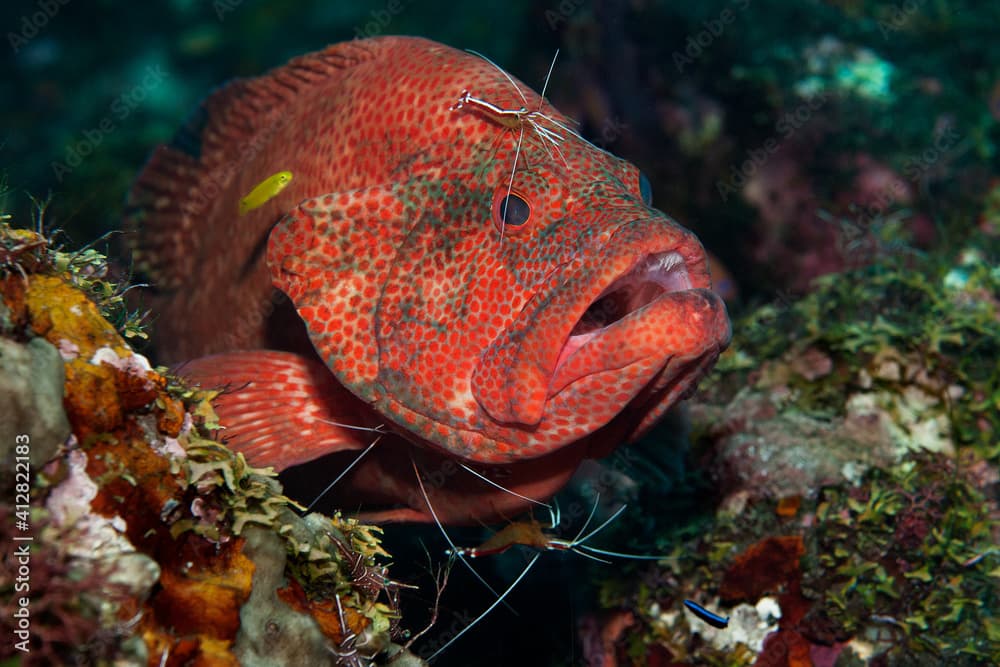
(508, 289)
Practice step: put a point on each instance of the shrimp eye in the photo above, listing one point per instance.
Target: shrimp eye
(645, 190)
(512, 210)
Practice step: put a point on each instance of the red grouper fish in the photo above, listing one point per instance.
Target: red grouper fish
(475, 280)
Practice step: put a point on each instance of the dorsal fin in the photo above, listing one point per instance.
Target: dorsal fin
(179, 186)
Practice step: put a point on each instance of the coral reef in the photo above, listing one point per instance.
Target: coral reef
(852, 441)
(149, 542)
(860, 572)
(873, 364)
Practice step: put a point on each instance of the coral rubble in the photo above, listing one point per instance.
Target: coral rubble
(151, 543)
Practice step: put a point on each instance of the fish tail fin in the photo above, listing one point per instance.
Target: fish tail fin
(279, 409)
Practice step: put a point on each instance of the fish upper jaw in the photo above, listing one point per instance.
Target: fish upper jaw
(641, 309)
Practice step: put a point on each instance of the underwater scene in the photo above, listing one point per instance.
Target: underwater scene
(609, 333)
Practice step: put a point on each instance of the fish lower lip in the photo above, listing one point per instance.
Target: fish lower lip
(674, 328)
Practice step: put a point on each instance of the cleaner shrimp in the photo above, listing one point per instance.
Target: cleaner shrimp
(523, 533)
(519, 119)
(530, 534)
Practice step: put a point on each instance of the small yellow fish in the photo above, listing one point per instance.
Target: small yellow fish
(264, 191)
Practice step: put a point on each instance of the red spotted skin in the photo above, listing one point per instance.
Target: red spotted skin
(388, 244)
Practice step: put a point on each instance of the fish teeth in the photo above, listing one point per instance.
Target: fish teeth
(663, 262)
(667, 270)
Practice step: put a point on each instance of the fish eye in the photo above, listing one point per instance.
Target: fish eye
(645, 189)
(512, 210)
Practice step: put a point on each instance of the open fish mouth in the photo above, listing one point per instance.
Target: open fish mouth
(654, 315)
(652, 277)
(638, 311)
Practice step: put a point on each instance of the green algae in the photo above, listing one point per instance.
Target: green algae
(910, 549)
(906, 556)
(937, 317)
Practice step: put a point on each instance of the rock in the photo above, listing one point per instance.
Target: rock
(31, 391)
(767, 449)
(768, 442)
(271, 633)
